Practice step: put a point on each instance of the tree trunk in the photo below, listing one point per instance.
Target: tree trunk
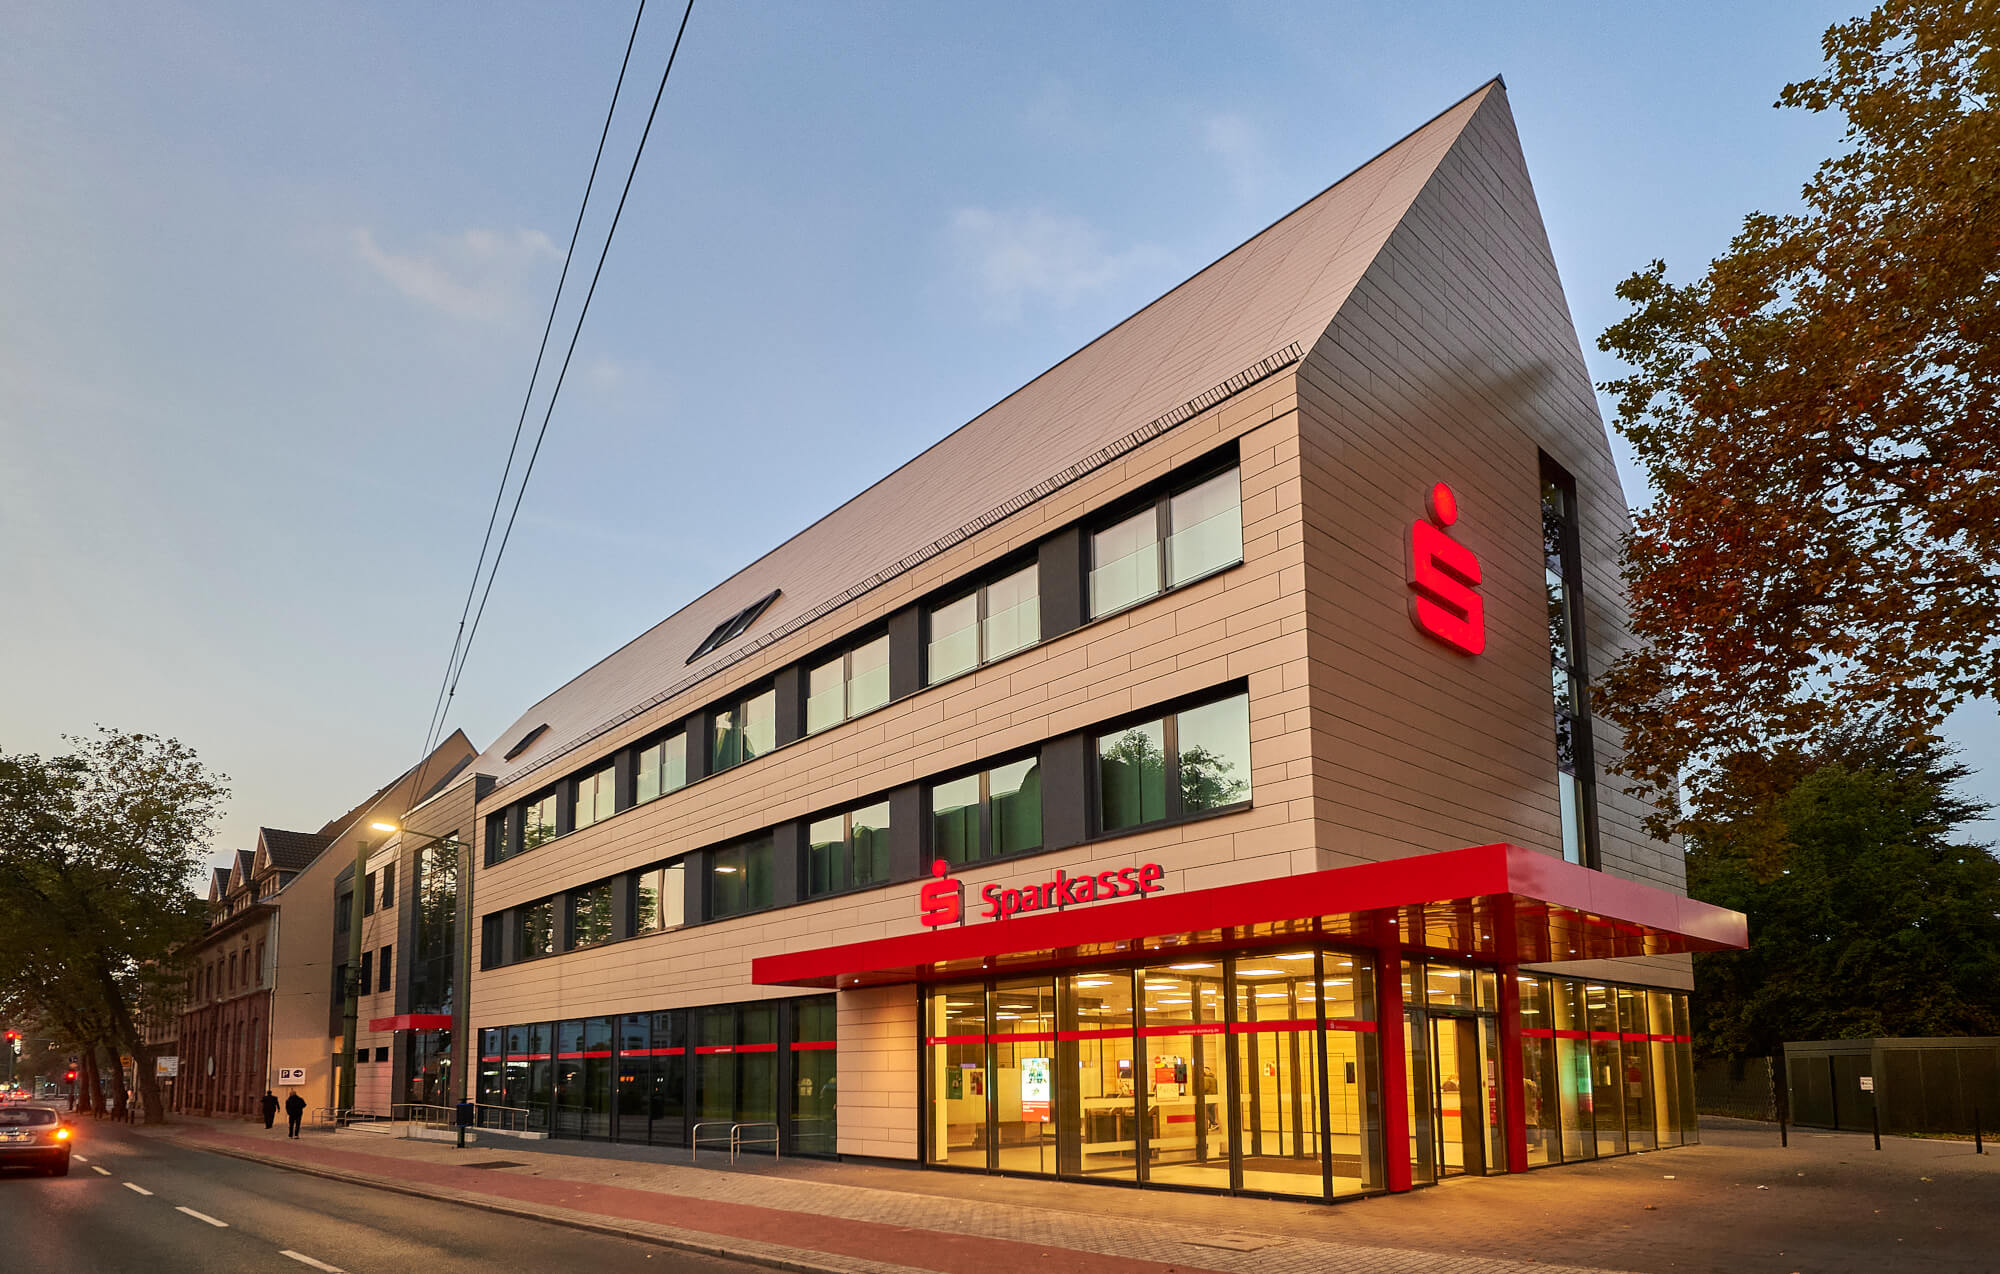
(127, 1031)
(93, 1096)
(114, 1073)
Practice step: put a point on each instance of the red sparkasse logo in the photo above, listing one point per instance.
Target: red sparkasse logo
(1444, 579)
(943, 899)
(943, 903)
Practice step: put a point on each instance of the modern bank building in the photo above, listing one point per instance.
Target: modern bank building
(1182, 775)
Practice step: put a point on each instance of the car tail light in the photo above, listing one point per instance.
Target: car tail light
(62, 1134)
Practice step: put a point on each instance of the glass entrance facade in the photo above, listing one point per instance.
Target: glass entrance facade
(1245, 1073)
(650, 1077)
(1260, 1072)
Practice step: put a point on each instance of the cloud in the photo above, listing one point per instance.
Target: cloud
(477, 274)
(1021, 257)
(1238, 146)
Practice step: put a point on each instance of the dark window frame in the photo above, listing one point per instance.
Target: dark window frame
(733, 627)
(984, 772)
(977, 586)
(571, 900)
(847, 884)
(738, 705)
(714, 859)
(1160, 497)
(1582, 740)
(385, 969)
(1168, 714)
(843, 653)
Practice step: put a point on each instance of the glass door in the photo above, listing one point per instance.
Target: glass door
(1183, 1038)
(1466, 1096)
(1276, 1035)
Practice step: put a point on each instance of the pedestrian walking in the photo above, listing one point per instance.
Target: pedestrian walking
(270, 1105)
(295, 1110)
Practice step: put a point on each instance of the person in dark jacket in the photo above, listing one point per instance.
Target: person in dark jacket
(270, 1105)
(295, 1110)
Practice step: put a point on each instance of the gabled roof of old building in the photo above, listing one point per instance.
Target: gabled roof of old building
(290, 851)
(218, 884)
(1244, 317)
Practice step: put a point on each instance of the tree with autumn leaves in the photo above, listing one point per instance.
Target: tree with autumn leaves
(1819, 418)
(1816, 582)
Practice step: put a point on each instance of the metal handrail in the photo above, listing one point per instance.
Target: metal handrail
(512, 1118)
(737, 1140)
(694, 1147)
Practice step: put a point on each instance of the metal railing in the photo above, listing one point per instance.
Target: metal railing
(513, 1119)
(413, 1115)
(735, 1139)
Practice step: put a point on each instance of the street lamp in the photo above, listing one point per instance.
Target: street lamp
(351, 1017)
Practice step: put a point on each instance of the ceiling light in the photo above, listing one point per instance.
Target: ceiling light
(1297, 955)
(1257, 973)
(1186, 967)
(726, 871)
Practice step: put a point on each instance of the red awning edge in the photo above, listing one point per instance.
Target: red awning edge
(411, 1022)
(1499, 902)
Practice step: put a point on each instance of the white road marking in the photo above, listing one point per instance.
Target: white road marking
(203, 1216)
(102, 1172)
(79, 1158)
(307, 1260)
(138, 1189)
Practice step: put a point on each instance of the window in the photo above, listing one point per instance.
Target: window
(739, 878)
(994, 620)
(388, 875)
(745, 730)
(1180, 765)
(590, 915)
(343, 912)
(1177, 539)
(382, 971)
(259, 975)
(847, 685)
(527, 740)
(1575, 772)
(435, 891)
(660, 899)
(663, 767)
(368, 895)
(732, 628)
(538, 929)
(367, 980)
(382, 1052)
(848, 851)
(538, 822)
(991, 814)
(596, 796)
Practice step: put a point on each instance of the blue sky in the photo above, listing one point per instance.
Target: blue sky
(274, 276)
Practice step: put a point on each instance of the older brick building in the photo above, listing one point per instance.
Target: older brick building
(1179, 775)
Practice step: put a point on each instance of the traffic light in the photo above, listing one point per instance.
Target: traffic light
(69, 1077)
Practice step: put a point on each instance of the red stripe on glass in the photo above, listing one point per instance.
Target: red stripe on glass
(1026, 1037)
(667, 1052)
(1537, 1033)
(1206, 1028)
(1110, 1033)
(954, 1039)
(1275, 1024)
(812, 1046)
(1351, 1024)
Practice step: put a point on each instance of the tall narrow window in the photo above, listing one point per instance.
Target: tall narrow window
(739, 878)
(538, 821)
(1191, 762)
(596, 796)
(590, 915)
(660, 898)
(1569, 679)
(745, 730)
(991, 814)
(1183, 536)
(538, 929)
(662, 768)
(388, 885)
(992, 621)
(368, 894)
(848, 851)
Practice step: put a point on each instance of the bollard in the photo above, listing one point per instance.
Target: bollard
(1784, 1138)
(1875, 1117)
(1978, 1142)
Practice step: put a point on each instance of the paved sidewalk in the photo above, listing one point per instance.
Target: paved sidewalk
(1736, 1203)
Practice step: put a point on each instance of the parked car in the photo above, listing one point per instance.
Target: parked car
(36, 1137)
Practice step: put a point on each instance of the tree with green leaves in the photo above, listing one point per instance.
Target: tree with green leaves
(1818, 416)
(99, 849)
(1868, 915)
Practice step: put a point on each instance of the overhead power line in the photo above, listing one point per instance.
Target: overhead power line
(441, 707)
(463, 639)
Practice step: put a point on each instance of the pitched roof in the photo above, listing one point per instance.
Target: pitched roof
(291, 851)
(1244, 317)
(218, 884)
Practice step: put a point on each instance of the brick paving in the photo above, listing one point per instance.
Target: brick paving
(1736, 1203)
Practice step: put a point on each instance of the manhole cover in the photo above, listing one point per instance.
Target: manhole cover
(494, 1163)
(1233, 1242)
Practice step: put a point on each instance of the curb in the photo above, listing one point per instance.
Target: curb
(677, 1241)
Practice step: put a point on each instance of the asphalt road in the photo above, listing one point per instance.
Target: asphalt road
(142, 1205)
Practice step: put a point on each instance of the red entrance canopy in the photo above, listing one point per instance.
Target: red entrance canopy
(1499, 903)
